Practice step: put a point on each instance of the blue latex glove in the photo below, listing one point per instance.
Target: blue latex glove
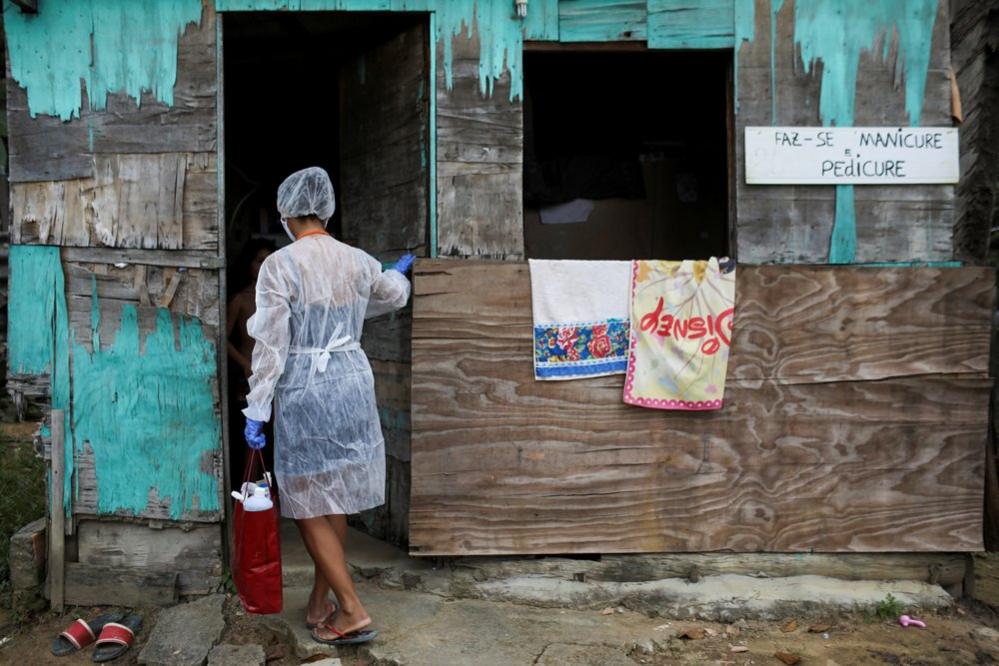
(404, 264)
(253, 432)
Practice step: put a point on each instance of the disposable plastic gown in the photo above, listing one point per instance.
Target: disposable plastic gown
(312, 299)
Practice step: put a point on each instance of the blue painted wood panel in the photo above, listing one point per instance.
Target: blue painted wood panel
(602, 20)
(143, 404)
(691, 24)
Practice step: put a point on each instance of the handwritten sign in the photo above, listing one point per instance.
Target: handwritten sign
(851, 155)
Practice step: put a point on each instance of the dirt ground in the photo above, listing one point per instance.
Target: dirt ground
(28, 644)
(966, 634)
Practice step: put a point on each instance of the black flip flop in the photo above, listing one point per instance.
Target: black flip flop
(116, 638)
(82, 633)
(353, 638)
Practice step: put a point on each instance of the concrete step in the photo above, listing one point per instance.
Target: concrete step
(557, 583)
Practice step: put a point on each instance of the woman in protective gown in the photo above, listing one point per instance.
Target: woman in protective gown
(312, 297)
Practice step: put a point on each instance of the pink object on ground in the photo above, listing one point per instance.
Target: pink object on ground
(907, 621)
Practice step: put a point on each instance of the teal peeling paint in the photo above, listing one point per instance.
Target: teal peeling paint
(31, 308)
(836, 33)
(745, 21)
(145, 405)
(37, 329)
(111, 46)
(51, 70)
(744, 12)
(843, 246)
(135, 47)
(775, 7)
(541, 23)
(500, 31)
(432, 149)
(691, 24)
(501, 40)
(602, 20)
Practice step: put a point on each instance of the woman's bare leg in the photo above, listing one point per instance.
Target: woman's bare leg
(327, 553)
(319, 605)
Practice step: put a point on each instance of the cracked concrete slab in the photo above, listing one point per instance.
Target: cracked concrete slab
(420, 629)
(723, 597)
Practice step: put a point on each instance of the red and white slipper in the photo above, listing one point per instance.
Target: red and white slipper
(116, 638)
(81, 633)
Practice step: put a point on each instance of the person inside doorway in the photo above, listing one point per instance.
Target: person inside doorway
(312, 297)
(240, 308)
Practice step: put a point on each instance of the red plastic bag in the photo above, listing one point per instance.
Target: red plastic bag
(256, 559)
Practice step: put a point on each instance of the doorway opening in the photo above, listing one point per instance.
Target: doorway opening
(626, 154)
(348, 92)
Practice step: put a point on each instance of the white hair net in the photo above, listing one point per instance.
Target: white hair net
(307, 192)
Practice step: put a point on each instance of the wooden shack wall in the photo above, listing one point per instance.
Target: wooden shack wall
(855, 418)
(80, 134)
(115, 283)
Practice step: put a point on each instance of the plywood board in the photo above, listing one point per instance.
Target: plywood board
(855, 420)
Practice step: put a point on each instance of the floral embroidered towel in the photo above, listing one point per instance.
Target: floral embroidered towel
(681, 328)
(580, 318)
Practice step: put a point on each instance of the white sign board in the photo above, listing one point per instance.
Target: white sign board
(851, 155)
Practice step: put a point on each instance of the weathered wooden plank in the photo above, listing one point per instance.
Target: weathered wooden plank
(195, 294)
(938, 568)
(193, 552)
(91, 585)
(163, 201)
(44, 148)
(602, 20)
(971, 28)
(798, 231)
(57, 512)
(480, 163)
(691, 24)
(388, 337)
(812, 452)
(175, 258)
(797, 95)
(984, 578)
(392, 388)
(384, 130)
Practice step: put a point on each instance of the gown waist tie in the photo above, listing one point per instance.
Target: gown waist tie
(337, 343)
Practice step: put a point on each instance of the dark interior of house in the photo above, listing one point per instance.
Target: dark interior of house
(626, 154)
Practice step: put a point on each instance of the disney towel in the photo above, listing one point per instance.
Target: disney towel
(580, 318)
(681, 329)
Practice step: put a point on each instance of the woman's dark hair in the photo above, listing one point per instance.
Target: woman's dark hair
(246, 256)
